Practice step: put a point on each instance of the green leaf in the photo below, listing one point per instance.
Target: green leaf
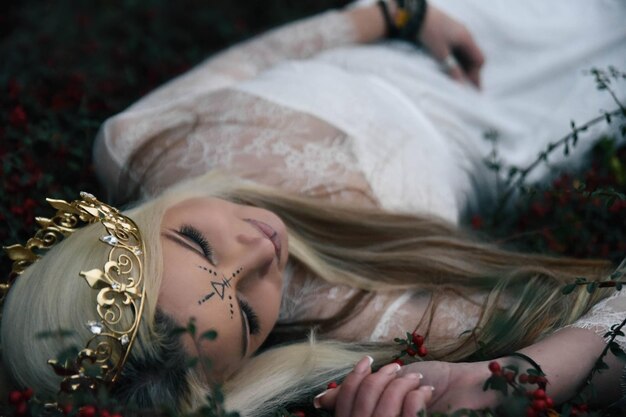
(591, 287)
(192, 362)
(209, 335)
(178, 331)
(191, 327)
(617, 351)
(568, 289)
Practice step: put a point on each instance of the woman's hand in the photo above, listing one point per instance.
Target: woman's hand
(452, 44)
(457, 385)
(380, 394)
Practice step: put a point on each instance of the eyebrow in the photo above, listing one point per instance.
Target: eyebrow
(174, 237)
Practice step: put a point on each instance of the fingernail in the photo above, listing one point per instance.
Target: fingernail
(390, 369)
(413, 376)
(364, 364)
(427, 388)
(316, 400)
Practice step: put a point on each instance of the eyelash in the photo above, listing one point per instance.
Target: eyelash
(195, 235)
(253, 319)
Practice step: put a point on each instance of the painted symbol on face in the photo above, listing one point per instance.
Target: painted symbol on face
(206, 298)
(232, 311)
(220, 287)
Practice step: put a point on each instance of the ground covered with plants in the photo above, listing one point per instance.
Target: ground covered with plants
(67, 65)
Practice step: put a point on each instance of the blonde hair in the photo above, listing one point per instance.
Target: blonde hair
(364, 248)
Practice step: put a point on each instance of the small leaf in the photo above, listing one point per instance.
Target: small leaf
(209, 335)
(591, 287)
(617, 351)
(600, 365)
(192, 362)
(178, 331)
(568, 289)
(191, 327)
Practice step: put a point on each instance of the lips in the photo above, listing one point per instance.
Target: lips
(270, 233)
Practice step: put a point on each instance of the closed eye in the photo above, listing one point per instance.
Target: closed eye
(197, 237)
(251, 317)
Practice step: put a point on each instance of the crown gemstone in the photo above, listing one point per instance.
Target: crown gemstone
(116, 286)
(94, 327)
(86, 195)
(137, 251)
(124, 340)
(110, 239)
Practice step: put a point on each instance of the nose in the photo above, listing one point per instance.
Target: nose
(253, 252)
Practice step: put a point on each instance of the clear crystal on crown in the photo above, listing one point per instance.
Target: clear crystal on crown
(124, 340)
(94, 327)
(86, 195)
(110, 239)
(116, 286)
(137, 251)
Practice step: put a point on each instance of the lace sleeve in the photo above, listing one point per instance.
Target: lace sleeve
(606, 313)
(297, 40)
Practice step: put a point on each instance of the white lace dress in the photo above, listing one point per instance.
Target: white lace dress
(305, 108)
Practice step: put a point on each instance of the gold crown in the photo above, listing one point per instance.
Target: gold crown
(121, 291)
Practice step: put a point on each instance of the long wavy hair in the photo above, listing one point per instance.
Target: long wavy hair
(365, 248)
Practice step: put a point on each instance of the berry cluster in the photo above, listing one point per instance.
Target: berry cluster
(24, 404)
(19, 400)
(539, 404)
(413, 345)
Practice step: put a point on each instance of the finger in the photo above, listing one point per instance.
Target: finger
(371, 389)
(416, 400)
(471, 58)
(390, 402)
(451, 66)
(326, 399)
(350, 386)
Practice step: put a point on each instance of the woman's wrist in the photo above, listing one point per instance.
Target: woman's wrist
(369, 22)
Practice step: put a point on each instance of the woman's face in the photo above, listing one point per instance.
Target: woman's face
(223, 266)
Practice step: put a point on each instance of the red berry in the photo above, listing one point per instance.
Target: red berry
(532, 379)
(549, 402)
(298, 413)
(418, 339)
(411, 352)
(583, 407)
(67, 408)
(494, 367)
(542, 380)
(21, 409)
(539, 405)
(15, 397)
(87, 411)
(105, 413)
(523, 378)
(331, 385)
(539, 394)
(398, 361)
(27, 394)
(573, 412)
(422, 351)
(530, 412)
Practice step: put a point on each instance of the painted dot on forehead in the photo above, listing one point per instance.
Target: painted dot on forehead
(210, 271)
